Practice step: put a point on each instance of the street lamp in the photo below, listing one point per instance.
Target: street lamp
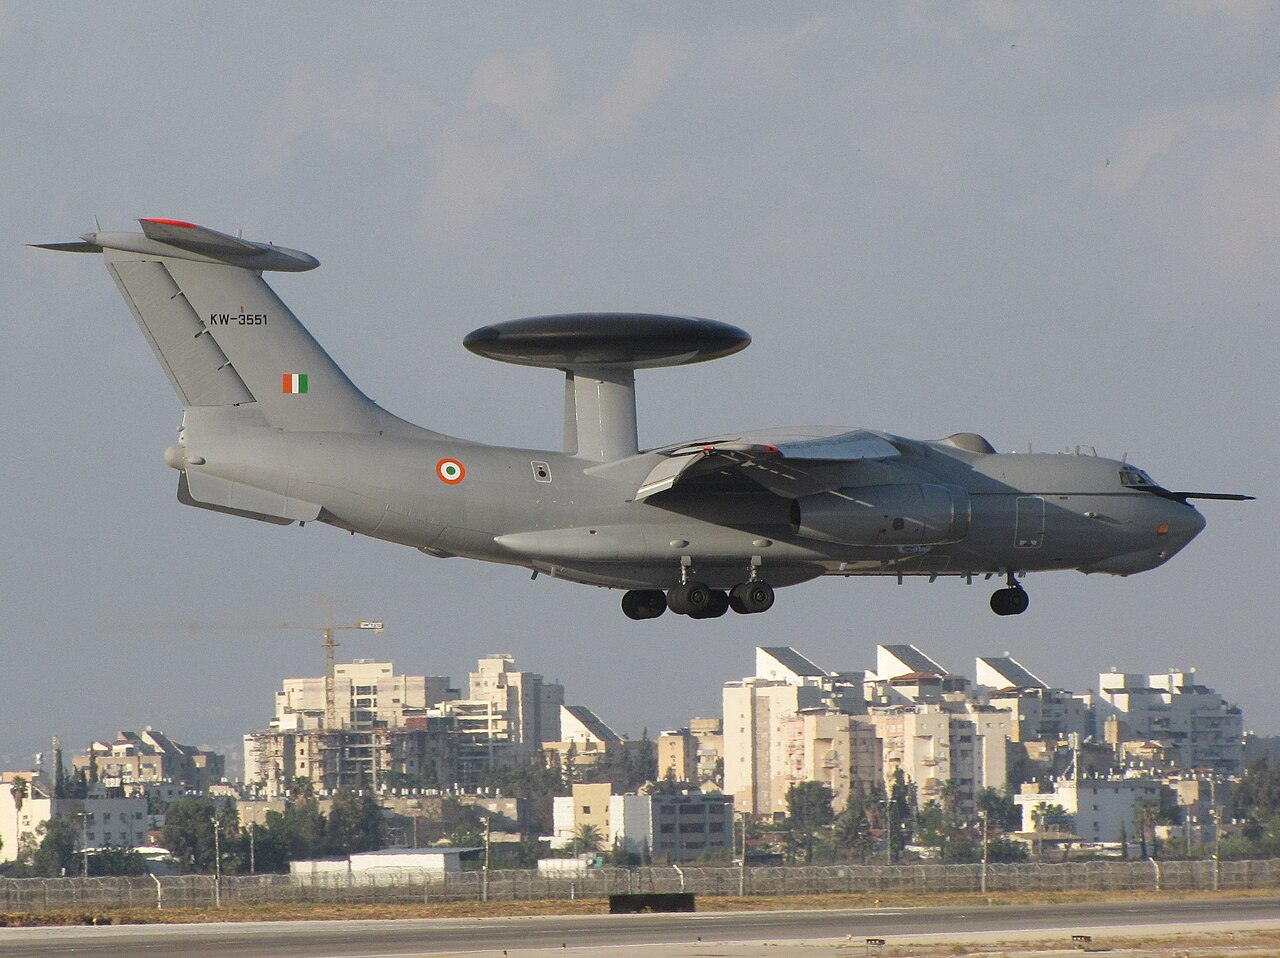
(742, 863)
(888, 833)
(982, 813)
(217, 863)
(84, 839)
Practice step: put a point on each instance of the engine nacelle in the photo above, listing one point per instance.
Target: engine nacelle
(893, 515)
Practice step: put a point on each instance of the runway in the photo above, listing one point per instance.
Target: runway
(731, 933)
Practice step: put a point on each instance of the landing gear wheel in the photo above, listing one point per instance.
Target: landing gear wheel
(1011, 601)
(717, 607)
(644, 603)
(748, 598)
(690, 598)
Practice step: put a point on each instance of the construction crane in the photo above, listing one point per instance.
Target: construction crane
(330, 706)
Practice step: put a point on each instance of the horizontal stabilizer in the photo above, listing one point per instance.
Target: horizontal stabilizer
(81, 247)
(178, 239)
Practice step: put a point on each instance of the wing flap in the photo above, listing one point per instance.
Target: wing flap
(788, 462)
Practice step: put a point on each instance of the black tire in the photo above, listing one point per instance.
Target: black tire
(716, 606)
(1012, 601)
(689, 598)
(644, 603)
(1019, 601)
(631, 605)
(751, 598)
(653, 602)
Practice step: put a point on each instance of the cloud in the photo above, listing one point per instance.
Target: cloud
(360, 114)
(522, 86)
(514, 130)
(1203, 181)
(1155, 135)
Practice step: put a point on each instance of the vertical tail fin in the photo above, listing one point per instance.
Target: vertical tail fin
(220, 332)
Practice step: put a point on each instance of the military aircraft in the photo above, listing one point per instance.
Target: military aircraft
(273, 430)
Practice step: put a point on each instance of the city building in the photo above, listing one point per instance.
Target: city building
(961, 743)
(680, 827)
(529, 705)
(761, 753)
(904, 675)
(1173, 708)
(693, 754)
(1041, 713)
(412, 730)
(584, 740)
(96, 822)
(1097, 809)
(149, 757)
(367, 695)
(823, 745)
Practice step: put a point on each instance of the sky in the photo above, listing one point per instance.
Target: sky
(1052, 224)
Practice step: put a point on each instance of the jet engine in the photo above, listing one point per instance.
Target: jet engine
(889, 515)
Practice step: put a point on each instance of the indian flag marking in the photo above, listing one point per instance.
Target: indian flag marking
(451, 471)
(295, 383)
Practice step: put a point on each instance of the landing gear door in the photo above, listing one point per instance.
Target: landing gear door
(1028, 533)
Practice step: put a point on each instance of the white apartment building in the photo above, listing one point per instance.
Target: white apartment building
(530, 706)
(933, 744)
(754, 711)
(678, 828)
(95, 822)
(823, 745)
(367, 695)
(765, 752)
(904, 675)
(1100, 809)
(1041, 713)
(1172, 707)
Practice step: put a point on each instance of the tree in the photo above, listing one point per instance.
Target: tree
(116, 861)
(851, 830)
(188, 834)
(1146, 811)
(587, 838)
(19, 791)
(302, 789)
(56, 854)
(354, 824)
(533, 780)
(1003, 813)
(809, 809)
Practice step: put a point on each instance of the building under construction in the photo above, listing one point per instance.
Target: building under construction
(363, 726)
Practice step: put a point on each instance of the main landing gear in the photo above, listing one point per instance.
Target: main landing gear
(698, 600)
(1012, 600)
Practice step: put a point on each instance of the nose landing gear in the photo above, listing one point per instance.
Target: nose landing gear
(1012, 600)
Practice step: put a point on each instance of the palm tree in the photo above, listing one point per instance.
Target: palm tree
(587, 838)
(1147, 811)
(19, 791)
(302, 789)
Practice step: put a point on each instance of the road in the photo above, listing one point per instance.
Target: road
(739, 932)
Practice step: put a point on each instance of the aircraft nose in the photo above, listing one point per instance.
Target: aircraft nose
(1180, 525)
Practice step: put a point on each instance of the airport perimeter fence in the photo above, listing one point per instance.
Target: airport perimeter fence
(413, 886)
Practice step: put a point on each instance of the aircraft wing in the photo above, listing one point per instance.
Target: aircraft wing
(789, 462)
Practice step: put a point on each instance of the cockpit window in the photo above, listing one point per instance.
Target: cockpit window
(1135, 478)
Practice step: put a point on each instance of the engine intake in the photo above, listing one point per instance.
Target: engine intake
(891, 515)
